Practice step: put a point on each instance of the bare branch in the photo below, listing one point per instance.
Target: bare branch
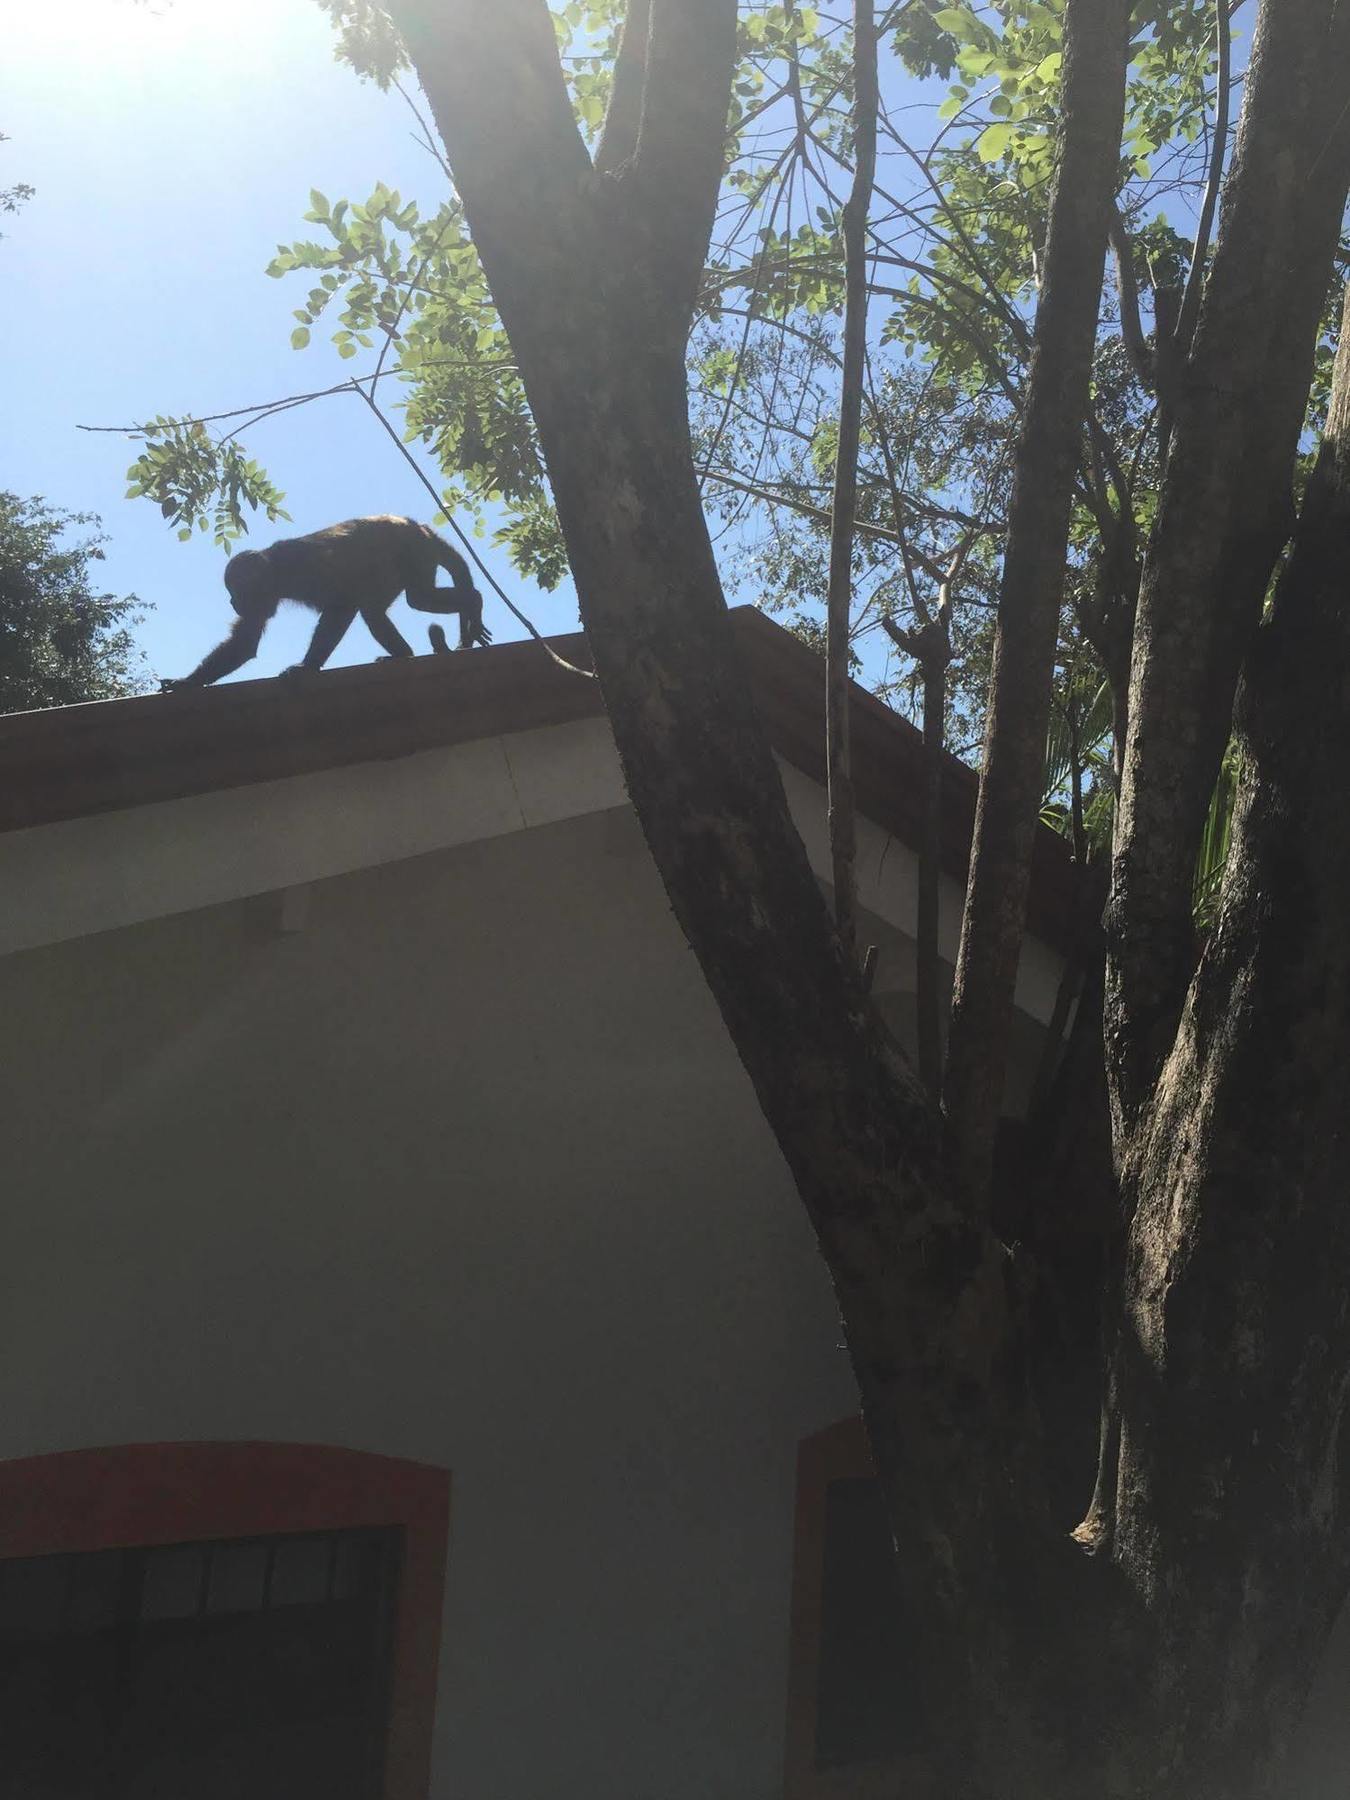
(1195, 280)
(1127, 290)
(820, 515)
(839, 602)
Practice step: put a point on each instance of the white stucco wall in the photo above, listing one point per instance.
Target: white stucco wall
(463, 1170)
(385, 1107)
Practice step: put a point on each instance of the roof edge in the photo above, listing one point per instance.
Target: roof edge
(70, 762)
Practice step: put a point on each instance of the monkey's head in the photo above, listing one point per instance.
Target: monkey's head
(248, 582)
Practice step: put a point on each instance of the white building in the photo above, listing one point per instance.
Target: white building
(378, 1162)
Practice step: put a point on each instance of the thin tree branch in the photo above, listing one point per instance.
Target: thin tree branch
(838, 761)
(263, 409)
(820, 515)
(1195, 280)
(1127, 290)
(408, 457)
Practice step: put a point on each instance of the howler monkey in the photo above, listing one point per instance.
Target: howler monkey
(359, 567)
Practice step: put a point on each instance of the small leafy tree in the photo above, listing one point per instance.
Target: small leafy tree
(60, 641)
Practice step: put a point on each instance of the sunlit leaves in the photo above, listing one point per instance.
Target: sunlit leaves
(366, 40)
(200, 482)
(391, 287)
(588, 34)
(412, 288)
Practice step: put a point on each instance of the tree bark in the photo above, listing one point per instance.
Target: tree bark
(623, 118)
(1008, 810)
(1225, 509)
(1231, 1526)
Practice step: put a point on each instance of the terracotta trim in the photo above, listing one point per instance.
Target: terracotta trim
(838, 1453)
(71, 761)
(133, 1495)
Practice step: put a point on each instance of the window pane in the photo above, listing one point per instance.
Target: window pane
(94, 1592)
(300, 1571)
(238, 1572)
(173, 1582)
(32, 1596)
(208, 1682)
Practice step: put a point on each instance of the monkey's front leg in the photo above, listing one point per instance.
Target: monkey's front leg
(238, 648)
(332, 627)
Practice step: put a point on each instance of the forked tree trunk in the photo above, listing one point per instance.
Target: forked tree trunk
(1037, 1660)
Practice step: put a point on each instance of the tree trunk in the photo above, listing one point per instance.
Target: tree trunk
(1230, 1521)
(1225, 510)
(929, 1298)
(1036, 1660)
(1008, 810)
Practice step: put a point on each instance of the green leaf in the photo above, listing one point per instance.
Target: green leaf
(993, 142)
(959, 22)
(300, 337)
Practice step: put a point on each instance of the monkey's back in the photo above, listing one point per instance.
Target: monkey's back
(361, 562)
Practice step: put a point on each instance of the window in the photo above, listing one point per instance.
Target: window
(217, 1620)
(854, 1728)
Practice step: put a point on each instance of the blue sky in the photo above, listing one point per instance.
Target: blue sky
(173, 148)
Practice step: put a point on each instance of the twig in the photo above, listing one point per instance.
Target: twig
(463, 537)
(1127, 291)
(1195, 280)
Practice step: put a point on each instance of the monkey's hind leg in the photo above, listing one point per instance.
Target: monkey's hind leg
(385, 633)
